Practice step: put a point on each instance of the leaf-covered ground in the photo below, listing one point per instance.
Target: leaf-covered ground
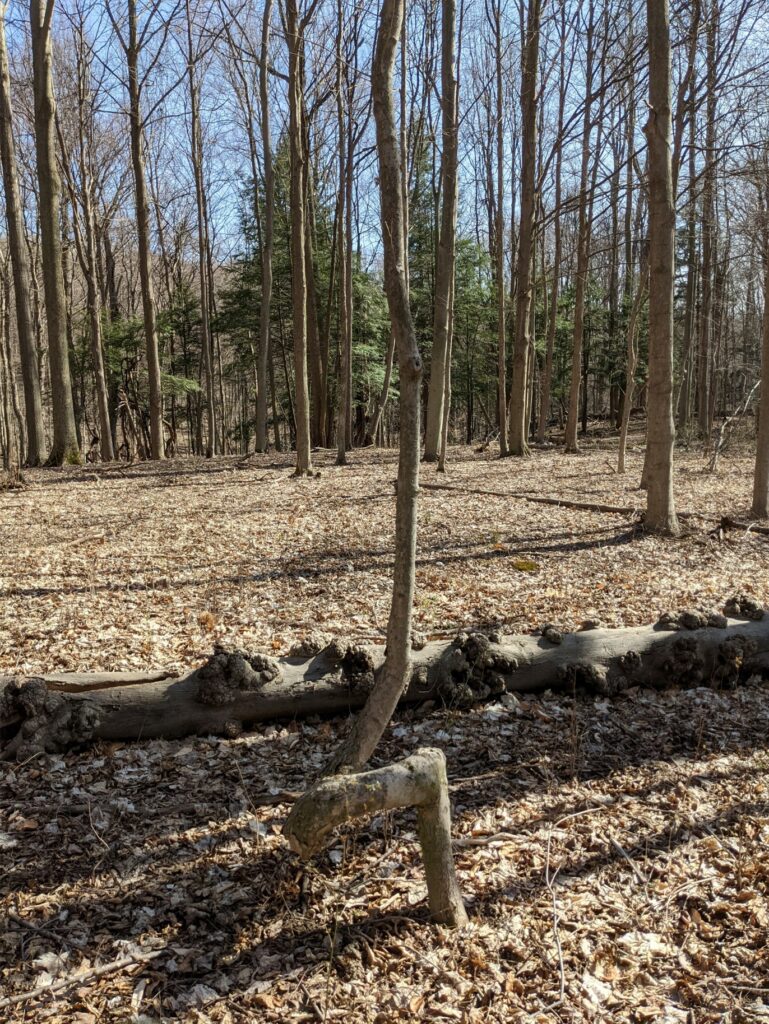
(614, 854)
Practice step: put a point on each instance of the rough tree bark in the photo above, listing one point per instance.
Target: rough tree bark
(583, 247)
(65, 446)
(500, 239)
(295, 38)
(446, 257)
(345, 334)
(233, 689)
(761, 474)
(82, 193)
(196, 159)
(33, 406)
(268, 235)
(547, 375)
(132, 50)
(660, 434)
(519, 420)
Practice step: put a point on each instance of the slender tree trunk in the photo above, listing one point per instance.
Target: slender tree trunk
(500, 241)
(583, 249)
(446, 259)
(704, 382)
(157, 448)
(372, 721)
(267, 238)
(684, 394)
(519, 419)
(547, 377)
(631, 363)
(196, 158)
(344, 332)
(761, 475)
(86, 242)
(65, 446)
(33, 406)
(295, 39)
(660, 436)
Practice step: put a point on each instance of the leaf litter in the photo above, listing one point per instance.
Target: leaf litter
(613, 853)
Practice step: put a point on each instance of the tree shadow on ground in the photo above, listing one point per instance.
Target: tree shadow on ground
(310, 565)
(191, 869)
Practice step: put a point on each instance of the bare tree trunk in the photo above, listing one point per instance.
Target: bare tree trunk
(267, 240)
(345, 338)
(196, 158)
(446, 258)
(547, 376)
(500, 240)
(631, 362)
(761, 475)
(157, 448)
(704, 382)
(447, 382)
(65, 447)
(33, 405)
(660, 435)
(82, 194)
(583, 248)
(295, 39)
(519, 419)
(373, 720)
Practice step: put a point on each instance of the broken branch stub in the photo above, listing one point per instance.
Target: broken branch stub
(418, 781)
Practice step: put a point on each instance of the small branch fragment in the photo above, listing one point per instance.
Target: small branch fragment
(418, 781)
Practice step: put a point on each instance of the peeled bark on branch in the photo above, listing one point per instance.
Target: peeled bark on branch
(233, 689)
(418, 781)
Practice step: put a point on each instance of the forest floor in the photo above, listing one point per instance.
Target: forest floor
(614, 854)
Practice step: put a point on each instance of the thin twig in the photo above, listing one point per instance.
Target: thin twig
(55, 987)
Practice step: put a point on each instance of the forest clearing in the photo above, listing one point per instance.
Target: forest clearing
(612, 852)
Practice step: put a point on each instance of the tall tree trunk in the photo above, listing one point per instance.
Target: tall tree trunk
(660, 436)
(86, 242)
(33, 405)
(295, 39)
(519, 420)
(684, 394)
(65, 446)
(372, 721)
(704, 382)
(547, 376)
(500, 239)
(345, 353)
(446, 259)
(267, 239)
(583, 248)
(196, 158)
(157, 448)
(761, 474)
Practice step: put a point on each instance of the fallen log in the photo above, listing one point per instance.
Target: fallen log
(539, 499)
(234, 689)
